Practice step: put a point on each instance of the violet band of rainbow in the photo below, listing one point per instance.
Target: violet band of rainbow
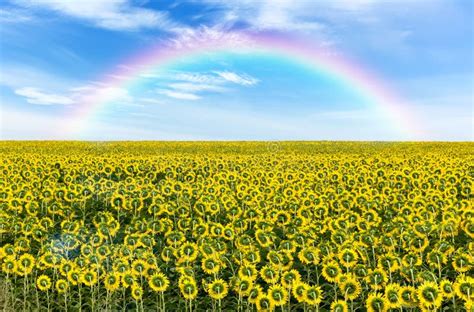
(322, 59)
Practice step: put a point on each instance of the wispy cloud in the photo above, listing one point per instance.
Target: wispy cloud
(149, 101)
(179, 95)
(90, 93)
(37, 96)
(283, 15)
(191, 85)
(109, 14)
(328, 23)
(15, 76)
(196, 37)
(41, 88)
(196, 87)
(244, 80)
(13, 15)
(196, 77)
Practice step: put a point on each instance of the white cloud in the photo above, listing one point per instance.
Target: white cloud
(179, 95)
(37, 96)
(110, 14)
(196, 77)
(214, 78)
(113, 93)
(42, 88)
(187, 85)
(327, 22)
(16, 76)
(188, 38)
(149, 101)
(99, 92)
(14, 16)
(285, 15)
(244, 80)
(195, 87)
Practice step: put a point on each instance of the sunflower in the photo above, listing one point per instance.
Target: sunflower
(254, 293)
(408, 296)
(74, 277)
(339, 306)
(189, 290)
(289, 278)
(9, 265)
(210, 265)
(61, 285)
(121, 266)
(217, 289)
(263, 238)
(464, 287)
(436, 259)
(299, 290)
(462, 262)
(469, 306)
(207, 250)
(360, 271)
(66, 266)
(89, 277)
(384, 221)
(469, 228)
(103, 251)
(25, 264)
(447, 288)
(189, 252)
(376, 278)
(288, 246)
(229, 233)
(49, 260)
(389, 262)
(274, 258)
(429, 295)
(167, 253)
(186, 276)
(376, 303)
(243, 285)
(127, 279)
(277, 295)
(350, 288)
(392, 295)
(331, 271)
(137, 292)
(43, 282)
(252, 256)
(264, 303)
(248, 271)
(419, 244)
(348, 257)
(309, 255)
(269, 274)
(139, 267)
(158, 282)
(313, 295)
(411, 260)
(112, 281)
(86, 250)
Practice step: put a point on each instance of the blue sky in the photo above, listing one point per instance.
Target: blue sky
(55, 53)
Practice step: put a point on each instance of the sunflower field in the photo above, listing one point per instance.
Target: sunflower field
(236, 226)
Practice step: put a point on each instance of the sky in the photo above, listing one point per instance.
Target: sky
(91, 70)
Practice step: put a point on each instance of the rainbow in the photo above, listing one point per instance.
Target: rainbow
(324, 60)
